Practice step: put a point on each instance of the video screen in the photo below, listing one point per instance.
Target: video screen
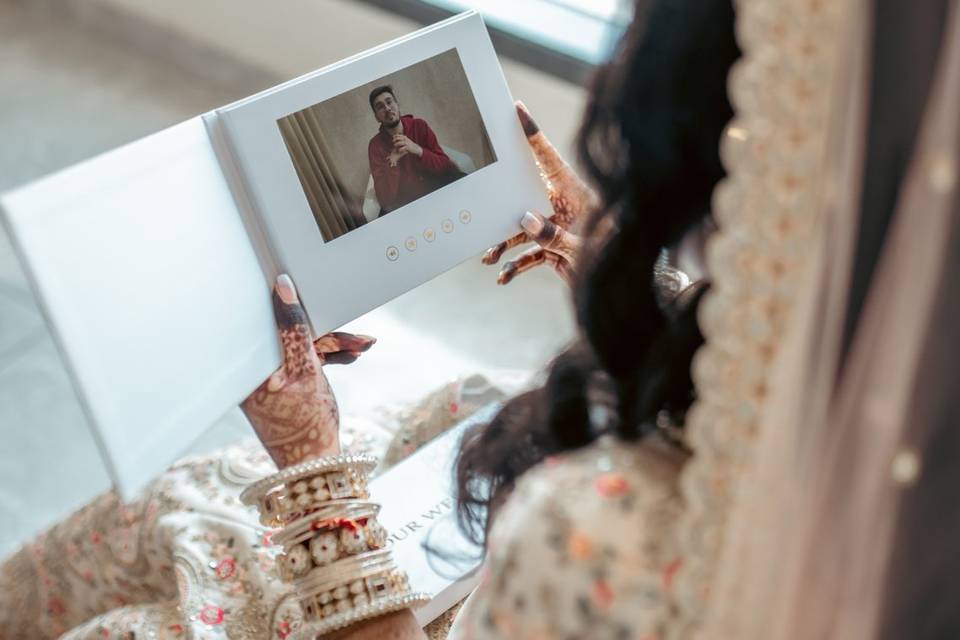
(370, 151)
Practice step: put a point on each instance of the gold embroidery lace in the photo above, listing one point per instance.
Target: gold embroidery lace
(767, 213)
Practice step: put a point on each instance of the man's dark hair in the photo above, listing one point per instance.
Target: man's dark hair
(384, 88)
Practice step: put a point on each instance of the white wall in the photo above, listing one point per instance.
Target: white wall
(292, 37)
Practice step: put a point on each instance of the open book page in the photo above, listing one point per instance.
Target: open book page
(152, 289)
(417, 509)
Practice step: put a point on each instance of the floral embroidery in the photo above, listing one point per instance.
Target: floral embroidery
(602, 594)
(226, 568)
(580, 546)
(612, 485)
(670, 572)
(564, 564)
(56, 607)
(211, 615)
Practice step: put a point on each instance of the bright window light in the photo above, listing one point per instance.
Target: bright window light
(582, 29)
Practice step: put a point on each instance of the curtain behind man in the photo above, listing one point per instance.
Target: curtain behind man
(332, 206)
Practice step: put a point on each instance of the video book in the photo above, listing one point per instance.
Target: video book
(153, 263)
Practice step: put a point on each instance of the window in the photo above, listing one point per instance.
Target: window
(582, 29)
(564, 37)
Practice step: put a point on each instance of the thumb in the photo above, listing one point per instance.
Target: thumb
(298, 354)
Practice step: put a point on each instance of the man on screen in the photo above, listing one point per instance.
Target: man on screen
(406, 161)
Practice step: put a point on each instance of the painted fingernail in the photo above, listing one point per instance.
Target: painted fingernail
(506, 273)
(493, 254)
(526, 120)
(286, 290)
(531, 223)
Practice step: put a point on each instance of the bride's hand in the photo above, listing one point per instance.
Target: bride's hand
(571, 199)
(294, 411)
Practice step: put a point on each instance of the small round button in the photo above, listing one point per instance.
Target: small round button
(447, 226)
(429, 235)
(410, 243)
(392, 253)
(466, 217)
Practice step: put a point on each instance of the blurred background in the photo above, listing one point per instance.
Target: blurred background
(80, 77)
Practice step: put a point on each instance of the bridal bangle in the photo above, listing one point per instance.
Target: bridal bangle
(334, 547)
(297, 491)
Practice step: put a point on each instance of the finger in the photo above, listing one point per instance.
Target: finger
(524, 262)
(341, 341)
(551, 236)
(494, 253)
(528, 260)
(341, 357)
(299, 357)
(568, 193)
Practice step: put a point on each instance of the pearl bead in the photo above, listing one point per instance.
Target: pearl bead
(905, 467)
(340, 592)
(941, 172)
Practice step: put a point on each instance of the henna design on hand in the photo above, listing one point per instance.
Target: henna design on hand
(294, 412)
(570, 198)
(532, 258)
(557, 247)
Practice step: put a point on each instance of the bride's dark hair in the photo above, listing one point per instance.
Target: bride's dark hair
(649, 146)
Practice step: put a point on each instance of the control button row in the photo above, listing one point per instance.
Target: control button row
(393, 254)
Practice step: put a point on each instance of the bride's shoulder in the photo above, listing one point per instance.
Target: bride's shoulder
(582, 546)
(605, 475)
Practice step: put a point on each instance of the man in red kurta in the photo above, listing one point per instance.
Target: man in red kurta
(406, 160)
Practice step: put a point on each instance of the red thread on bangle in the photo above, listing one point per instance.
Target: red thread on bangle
(342, 523)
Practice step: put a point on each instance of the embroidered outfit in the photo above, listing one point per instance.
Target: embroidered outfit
(582, 548)
(188, 559)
